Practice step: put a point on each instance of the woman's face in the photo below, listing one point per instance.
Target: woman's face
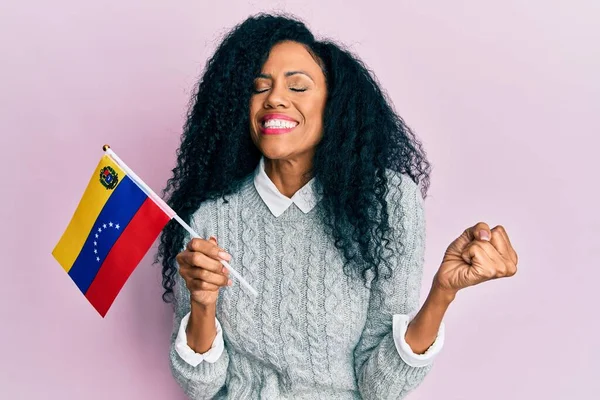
(286, 109)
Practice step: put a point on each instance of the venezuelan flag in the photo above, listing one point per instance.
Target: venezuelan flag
(112, 229)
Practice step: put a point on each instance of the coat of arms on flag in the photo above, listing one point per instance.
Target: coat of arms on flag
(109, 177)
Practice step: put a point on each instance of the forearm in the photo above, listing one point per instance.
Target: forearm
(424, 327)
(201, 329)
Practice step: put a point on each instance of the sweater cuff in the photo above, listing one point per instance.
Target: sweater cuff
(188, 355)
(400, 325)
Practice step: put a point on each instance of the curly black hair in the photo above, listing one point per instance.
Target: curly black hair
(362, 137)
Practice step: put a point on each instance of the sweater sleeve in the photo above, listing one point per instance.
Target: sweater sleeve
(380, 370)
(206, 379)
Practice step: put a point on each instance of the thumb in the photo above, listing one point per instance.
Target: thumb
(481, 231)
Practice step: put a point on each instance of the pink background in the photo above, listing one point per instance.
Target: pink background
(504, 94)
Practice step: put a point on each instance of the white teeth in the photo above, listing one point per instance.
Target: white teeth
(279, 123)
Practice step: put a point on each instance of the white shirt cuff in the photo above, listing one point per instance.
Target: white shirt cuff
(190, 356)
(400, 325)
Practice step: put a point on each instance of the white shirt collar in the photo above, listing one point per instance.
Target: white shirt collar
(305, 198)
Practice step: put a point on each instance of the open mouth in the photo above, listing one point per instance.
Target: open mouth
(277, 124)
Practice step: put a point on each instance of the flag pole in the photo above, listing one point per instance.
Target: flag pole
(169, 211)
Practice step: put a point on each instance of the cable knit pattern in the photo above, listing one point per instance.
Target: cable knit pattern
(315, 313)
(273, 346)
(312, 332)
(295, 348)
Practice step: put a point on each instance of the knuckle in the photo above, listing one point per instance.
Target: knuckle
(197, 259)
(214, 251)
(203, 274)
(197, 243)
(181, 257)
(477, 246)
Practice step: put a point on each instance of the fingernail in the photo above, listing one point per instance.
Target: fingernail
(483, 235)
(224, 256)
(214, 239)
(229, 282)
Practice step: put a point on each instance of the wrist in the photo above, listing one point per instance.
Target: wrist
(202, 310)
(440, 295)
(201, 328)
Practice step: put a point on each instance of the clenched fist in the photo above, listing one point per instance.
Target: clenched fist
(478, 255)
(201, 268)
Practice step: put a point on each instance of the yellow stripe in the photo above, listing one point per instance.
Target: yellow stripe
(93, 200)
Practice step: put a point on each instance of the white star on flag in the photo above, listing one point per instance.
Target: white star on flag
(104, 226)
(117, 226)
(110, 224)
(96, 236)
(98, 259)
(95, 251)
(95, 243)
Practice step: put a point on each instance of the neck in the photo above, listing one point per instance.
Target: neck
(289, 175)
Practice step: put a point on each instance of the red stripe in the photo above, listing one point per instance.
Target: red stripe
(125, 255)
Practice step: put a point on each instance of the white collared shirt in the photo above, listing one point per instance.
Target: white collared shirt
(305, 199)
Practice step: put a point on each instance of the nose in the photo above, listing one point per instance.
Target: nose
(277, 97)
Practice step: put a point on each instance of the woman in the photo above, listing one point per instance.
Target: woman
(305, 179)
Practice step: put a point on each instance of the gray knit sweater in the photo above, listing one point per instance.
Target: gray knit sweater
(312, 332)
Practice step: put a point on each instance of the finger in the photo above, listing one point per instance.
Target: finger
(512, 254)
(502, 266)
(196, 284)
(208, 248)
(209, 277)
(202, 261)
(480, 251)
(479, 262)
(192, 259)
(499, 241)
(479, 231)
(485, 260)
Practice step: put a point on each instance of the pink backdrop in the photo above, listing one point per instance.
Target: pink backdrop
(505, 96)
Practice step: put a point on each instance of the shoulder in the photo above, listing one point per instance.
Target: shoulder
(403, 190)
(405, 206)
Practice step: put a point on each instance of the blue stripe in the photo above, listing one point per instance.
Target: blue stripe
(119, 209)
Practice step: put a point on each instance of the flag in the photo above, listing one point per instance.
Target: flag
(117, 220)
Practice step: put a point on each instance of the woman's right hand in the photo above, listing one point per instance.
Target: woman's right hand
(202, 271)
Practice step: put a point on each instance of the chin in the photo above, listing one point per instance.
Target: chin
(275, 152)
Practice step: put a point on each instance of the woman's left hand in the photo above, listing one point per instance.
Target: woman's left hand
(478, 255)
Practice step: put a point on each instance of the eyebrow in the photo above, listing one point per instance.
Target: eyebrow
(287, 74)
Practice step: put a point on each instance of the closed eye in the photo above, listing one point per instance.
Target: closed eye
(257, 91)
